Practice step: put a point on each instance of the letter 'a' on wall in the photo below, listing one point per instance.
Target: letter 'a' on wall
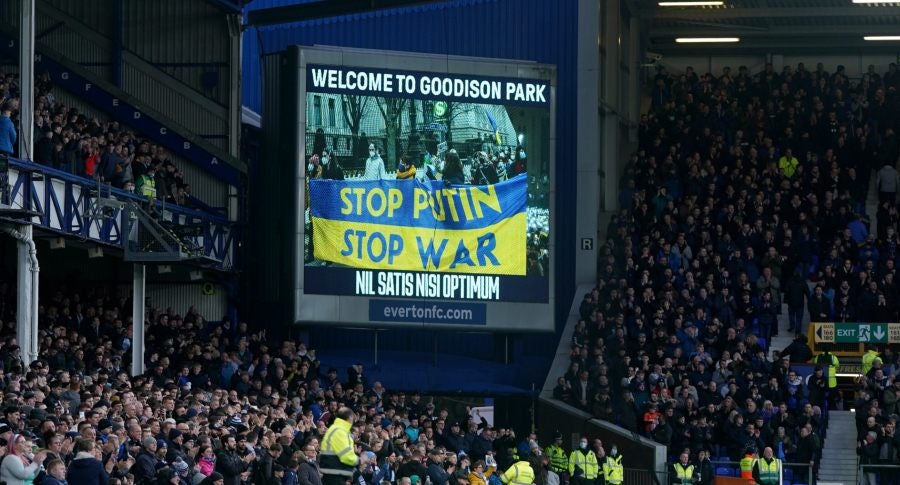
(426, 194)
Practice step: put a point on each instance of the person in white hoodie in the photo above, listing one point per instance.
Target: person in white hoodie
(374, 166)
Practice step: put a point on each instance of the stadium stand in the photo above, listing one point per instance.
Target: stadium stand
(746, 191)
(207, 380)
(93, 148)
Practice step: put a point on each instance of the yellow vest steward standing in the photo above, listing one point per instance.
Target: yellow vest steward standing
(768, 471)
(338, 459)
(586, 461)
(613, 469)
(747, 464)
(867, 359)
(831, 360)
(559, 464)
(520, 473)
(684, 474)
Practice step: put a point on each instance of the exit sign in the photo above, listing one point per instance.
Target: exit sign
(852, 333)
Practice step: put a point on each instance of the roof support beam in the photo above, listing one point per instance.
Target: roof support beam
(324, 9)
(856, 31)
(779, 12)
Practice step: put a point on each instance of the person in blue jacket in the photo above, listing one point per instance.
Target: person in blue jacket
(8, 135)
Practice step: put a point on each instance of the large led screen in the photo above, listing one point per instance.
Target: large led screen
(436, 187)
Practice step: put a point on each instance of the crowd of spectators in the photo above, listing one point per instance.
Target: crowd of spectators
(219, 403)
(74, 142)
(747, 192)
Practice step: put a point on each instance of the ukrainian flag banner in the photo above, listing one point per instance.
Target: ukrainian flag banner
(408, 225)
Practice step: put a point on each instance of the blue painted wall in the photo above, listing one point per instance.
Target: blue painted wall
(544, 31)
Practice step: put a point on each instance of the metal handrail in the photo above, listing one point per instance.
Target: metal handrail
(118, 193)
(808, 466)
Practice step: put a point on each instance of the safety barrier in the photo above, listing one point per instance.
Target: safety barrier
(791, 473)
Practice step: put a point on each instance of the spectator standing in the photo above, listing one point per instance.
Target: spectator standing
(86, 468)
(19, 466)
(8, 135)
(229, 464)
(868, 450)
(144, 468)
(308, 471)
(436, 472)
(887, 181)
(706, 472)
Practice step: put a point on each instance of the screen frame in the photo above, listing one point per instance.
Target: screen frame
(353, 311)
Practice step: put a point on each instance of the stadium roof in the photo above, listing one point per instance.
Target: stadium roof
(773, 25)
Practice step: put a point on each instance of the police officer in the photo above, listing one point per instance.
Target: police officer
(612, 467)
(337, 458)
(768, 469)
(583, 466)
(559, 464)
(683, 472)
(520, 473)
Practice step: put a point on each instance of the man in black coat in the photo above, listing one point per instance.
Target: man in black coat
(230, 464)
(144, 468)
(309, 469)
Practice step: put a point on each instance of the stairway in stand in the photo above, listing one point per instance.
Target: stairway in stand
(839, 459)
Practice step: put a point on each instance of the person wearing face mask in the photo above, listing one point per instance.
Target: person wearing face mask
(374, 166)
(613, 470)
(583, 466)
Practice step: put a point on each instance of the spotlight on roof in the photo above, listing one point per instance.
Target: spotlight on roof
(707, 40)
(709, 3)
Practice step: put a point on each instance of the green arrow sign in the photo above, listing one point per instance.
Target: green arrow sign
(851, 333)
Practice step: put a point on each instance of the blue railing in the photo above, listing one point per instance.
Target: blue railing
(67, 204)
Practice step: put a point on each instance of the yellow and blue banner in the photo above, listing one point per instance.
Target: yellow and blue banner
(408, 225)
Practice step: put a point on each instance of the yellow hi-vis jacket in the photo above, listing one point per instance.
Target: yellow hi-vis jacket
(831, 360)
(338, 456)
(586, 462)
(867, 359)
(684, 475)
(747, 464)
(613, 469)
(520, 473)
(768, 471)
(558, 461)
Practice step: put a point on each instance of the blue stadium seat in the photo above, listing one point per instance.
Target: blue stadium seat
(788, 474)
(724, 471)
(763, 343)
